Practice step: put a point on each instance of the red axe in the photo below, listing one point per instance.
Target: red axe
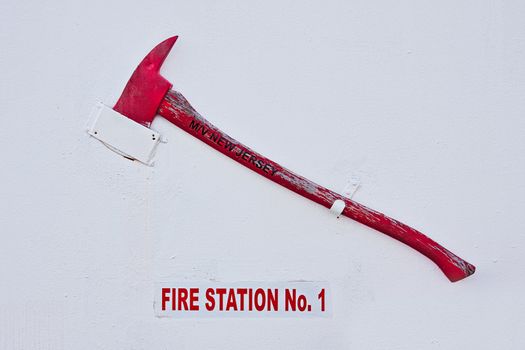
(125, 129)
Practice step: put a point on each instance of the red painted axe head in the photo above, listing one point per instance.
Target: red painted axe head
(146, 87)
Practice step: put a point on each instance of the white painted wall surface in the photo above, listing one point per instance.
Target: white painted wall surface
(424, 101)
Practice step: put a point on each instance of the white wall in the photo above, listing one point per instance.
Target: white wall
(424, 101)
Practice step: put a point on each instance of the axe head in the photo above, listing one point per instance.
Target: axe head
(125, 128)
(146, 87)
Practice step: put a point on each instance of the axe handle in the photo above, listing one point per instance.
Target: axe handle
(176, 109)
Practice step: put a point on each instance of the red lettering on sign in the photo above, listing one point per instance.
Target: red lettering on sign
(165, 297)
(210, 304)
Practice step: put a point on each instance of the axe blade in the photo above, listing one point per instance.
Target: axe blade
(146, 88)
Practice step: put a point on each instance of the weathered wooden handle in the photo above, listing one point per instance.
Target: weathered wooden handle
(176, 109)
